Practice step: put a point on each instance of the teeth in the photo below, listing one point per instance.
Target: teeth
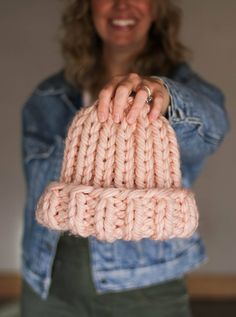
(123, 22)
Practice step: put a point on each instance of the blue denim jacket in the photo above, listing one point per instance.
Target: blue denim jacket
(200, 121)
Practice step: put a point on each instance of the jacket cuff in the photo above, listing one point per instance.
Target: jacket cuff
(163, 81)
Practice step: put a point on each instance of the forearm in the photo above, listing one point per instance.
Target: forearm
(198, 115)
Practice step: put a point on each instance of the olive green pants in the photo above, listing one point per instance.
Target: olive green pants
(72, 293)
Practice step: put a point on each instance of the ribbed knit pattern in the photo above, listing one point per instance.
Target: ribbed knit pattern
(119, 181)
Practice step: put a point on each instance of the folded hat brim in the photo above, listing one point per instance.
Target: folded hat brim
(118, 213)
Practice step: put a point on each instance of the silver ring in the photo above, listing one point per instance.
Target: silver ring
(149, 93)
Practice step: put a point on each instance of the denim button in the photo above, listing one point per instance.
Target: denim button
(103, 281)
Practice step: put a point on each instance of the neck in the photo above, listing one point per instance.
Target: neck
(118, 61)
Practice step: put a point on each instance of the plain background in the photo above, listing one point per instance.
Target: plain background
(30, 52)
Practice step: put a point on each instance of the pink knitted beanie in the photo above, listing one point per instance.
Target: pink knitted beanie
(119, 181)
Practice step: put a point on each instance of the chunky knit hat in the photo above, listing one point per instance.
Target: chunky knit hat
(119, 181)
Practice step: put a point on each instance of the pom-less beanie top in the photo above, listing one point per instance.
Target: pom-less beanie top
(119, 181)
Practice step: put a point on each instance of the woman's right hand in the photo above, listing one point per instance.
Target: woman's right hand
(119, 89)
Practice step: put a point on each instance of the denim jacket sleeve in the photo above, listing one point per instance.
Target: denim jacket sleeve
(197, 113)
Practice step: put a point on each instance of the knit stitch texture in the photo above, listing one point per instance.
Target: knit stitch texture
(119, 181)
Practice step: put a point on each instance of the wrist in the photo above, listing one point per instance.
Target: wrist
(167, 109)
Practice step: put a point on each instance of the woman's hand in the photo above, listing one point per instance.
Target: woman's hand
(119, 90)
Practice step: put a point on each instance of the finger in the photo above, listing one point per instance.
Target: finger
(157, 104)
(139, 101)
(104, 98)
(122, 93)
(121, 99)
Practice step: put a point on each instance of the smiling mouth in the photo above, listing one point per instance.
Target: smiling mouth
(123, 22)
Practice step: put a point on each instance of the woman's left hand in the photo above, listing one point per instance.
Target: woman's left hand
(119, 90)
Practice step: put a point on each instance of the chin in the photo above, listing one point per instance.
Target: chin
(122, 44)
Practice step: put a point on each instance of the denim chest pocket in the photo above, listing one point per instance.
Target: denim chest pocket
(37, 150)
(42, 164)
(41, 150)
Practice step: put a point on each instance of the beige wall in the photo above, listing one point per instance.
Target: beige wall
(208, 30)
(29, 52)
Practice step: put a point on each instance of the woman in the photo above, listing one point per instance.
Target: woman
(114, 48)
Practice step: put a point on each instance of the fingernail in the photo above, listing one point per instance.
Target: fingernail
(101, 116)
(116, 117)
